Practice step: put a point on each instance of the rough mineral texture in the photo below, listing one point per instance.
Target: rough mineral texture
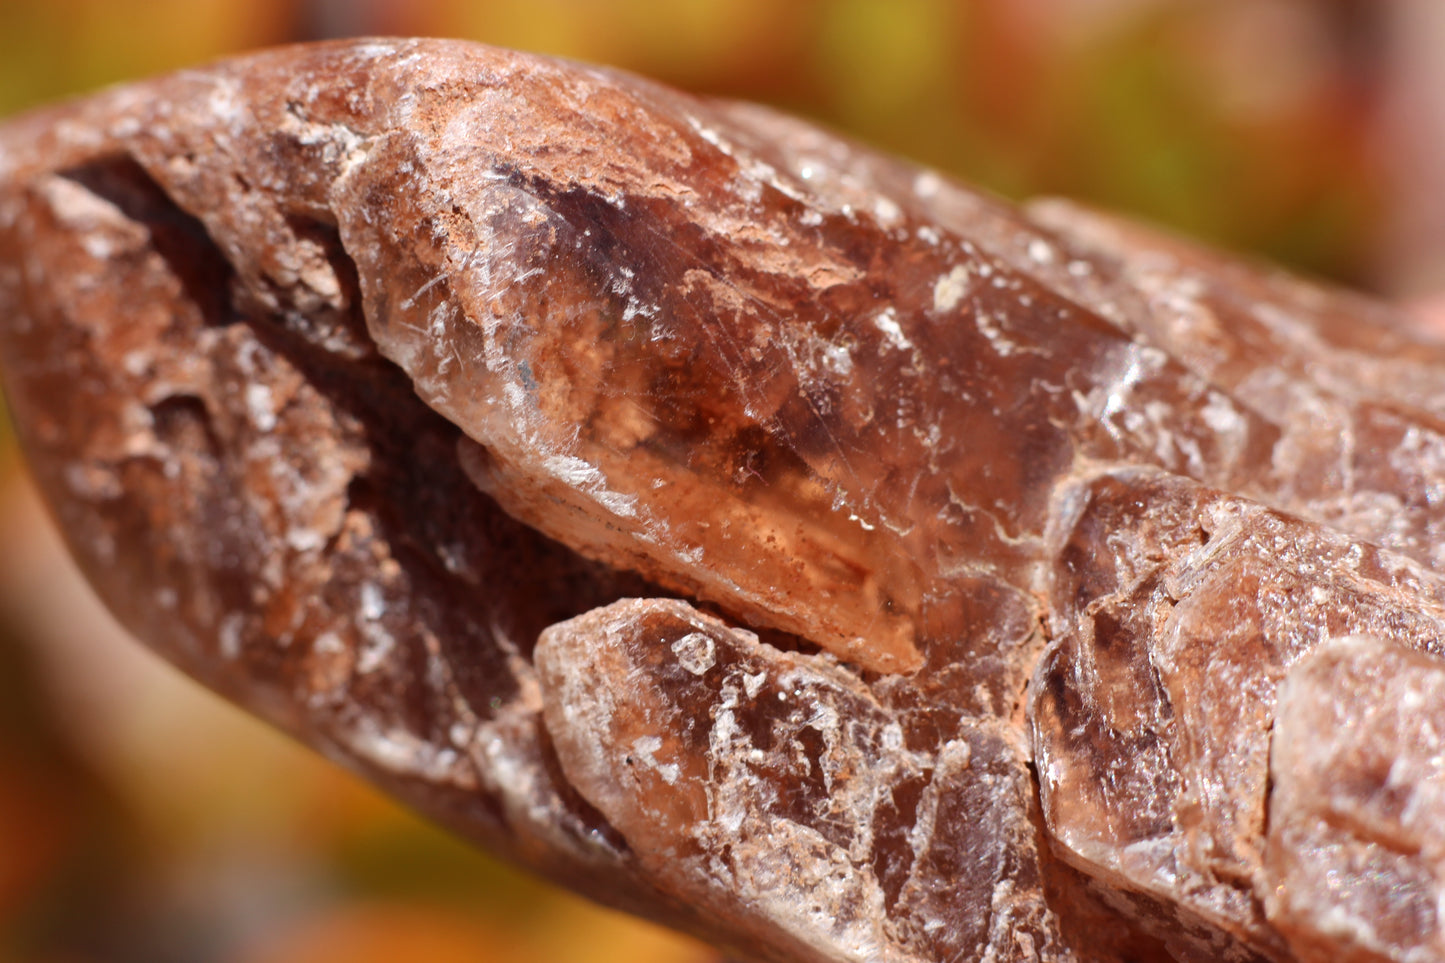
(1356, 854)
(743, 528)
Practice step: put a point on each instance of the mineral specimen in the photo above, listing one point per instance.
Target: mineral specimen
(741, 527)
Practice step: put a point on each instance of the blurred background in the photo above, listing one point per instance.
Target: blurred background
(142, 820)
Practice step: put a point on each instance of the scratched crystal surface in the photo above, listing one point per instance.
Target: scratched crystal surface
(1358, 759)
(741, 527)
(737, 772)
(1152, 715)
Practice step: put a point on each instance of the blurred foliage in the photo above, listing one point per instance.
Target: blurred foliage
(1241, 121)
(140, 821)
(58, 47)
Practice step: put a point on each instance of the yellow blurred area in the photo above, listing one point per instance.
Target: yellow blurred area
(64, 46)
(140, 819)
(1242, 121)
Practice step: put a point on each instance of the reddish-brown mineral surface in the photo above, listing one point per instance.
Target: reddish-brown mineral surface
(1356, 856)
(743, 528)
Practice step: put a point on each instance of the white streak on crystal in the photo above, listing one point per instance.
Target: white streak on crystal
(838, 359)
(578, 474)
(376, 650)
(988, 327)
(373, 603)
(887, 322)
(260, 406)
(399, 752)
(950, 289)
(328, 643)
(893, 737)
(643, 747)
(461, 735)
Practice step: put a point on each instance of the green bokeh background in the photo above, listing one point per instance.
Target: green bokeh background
(139, 820)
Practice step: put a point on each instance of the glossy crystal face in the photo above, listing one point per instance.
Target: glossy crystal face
(748, 529)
